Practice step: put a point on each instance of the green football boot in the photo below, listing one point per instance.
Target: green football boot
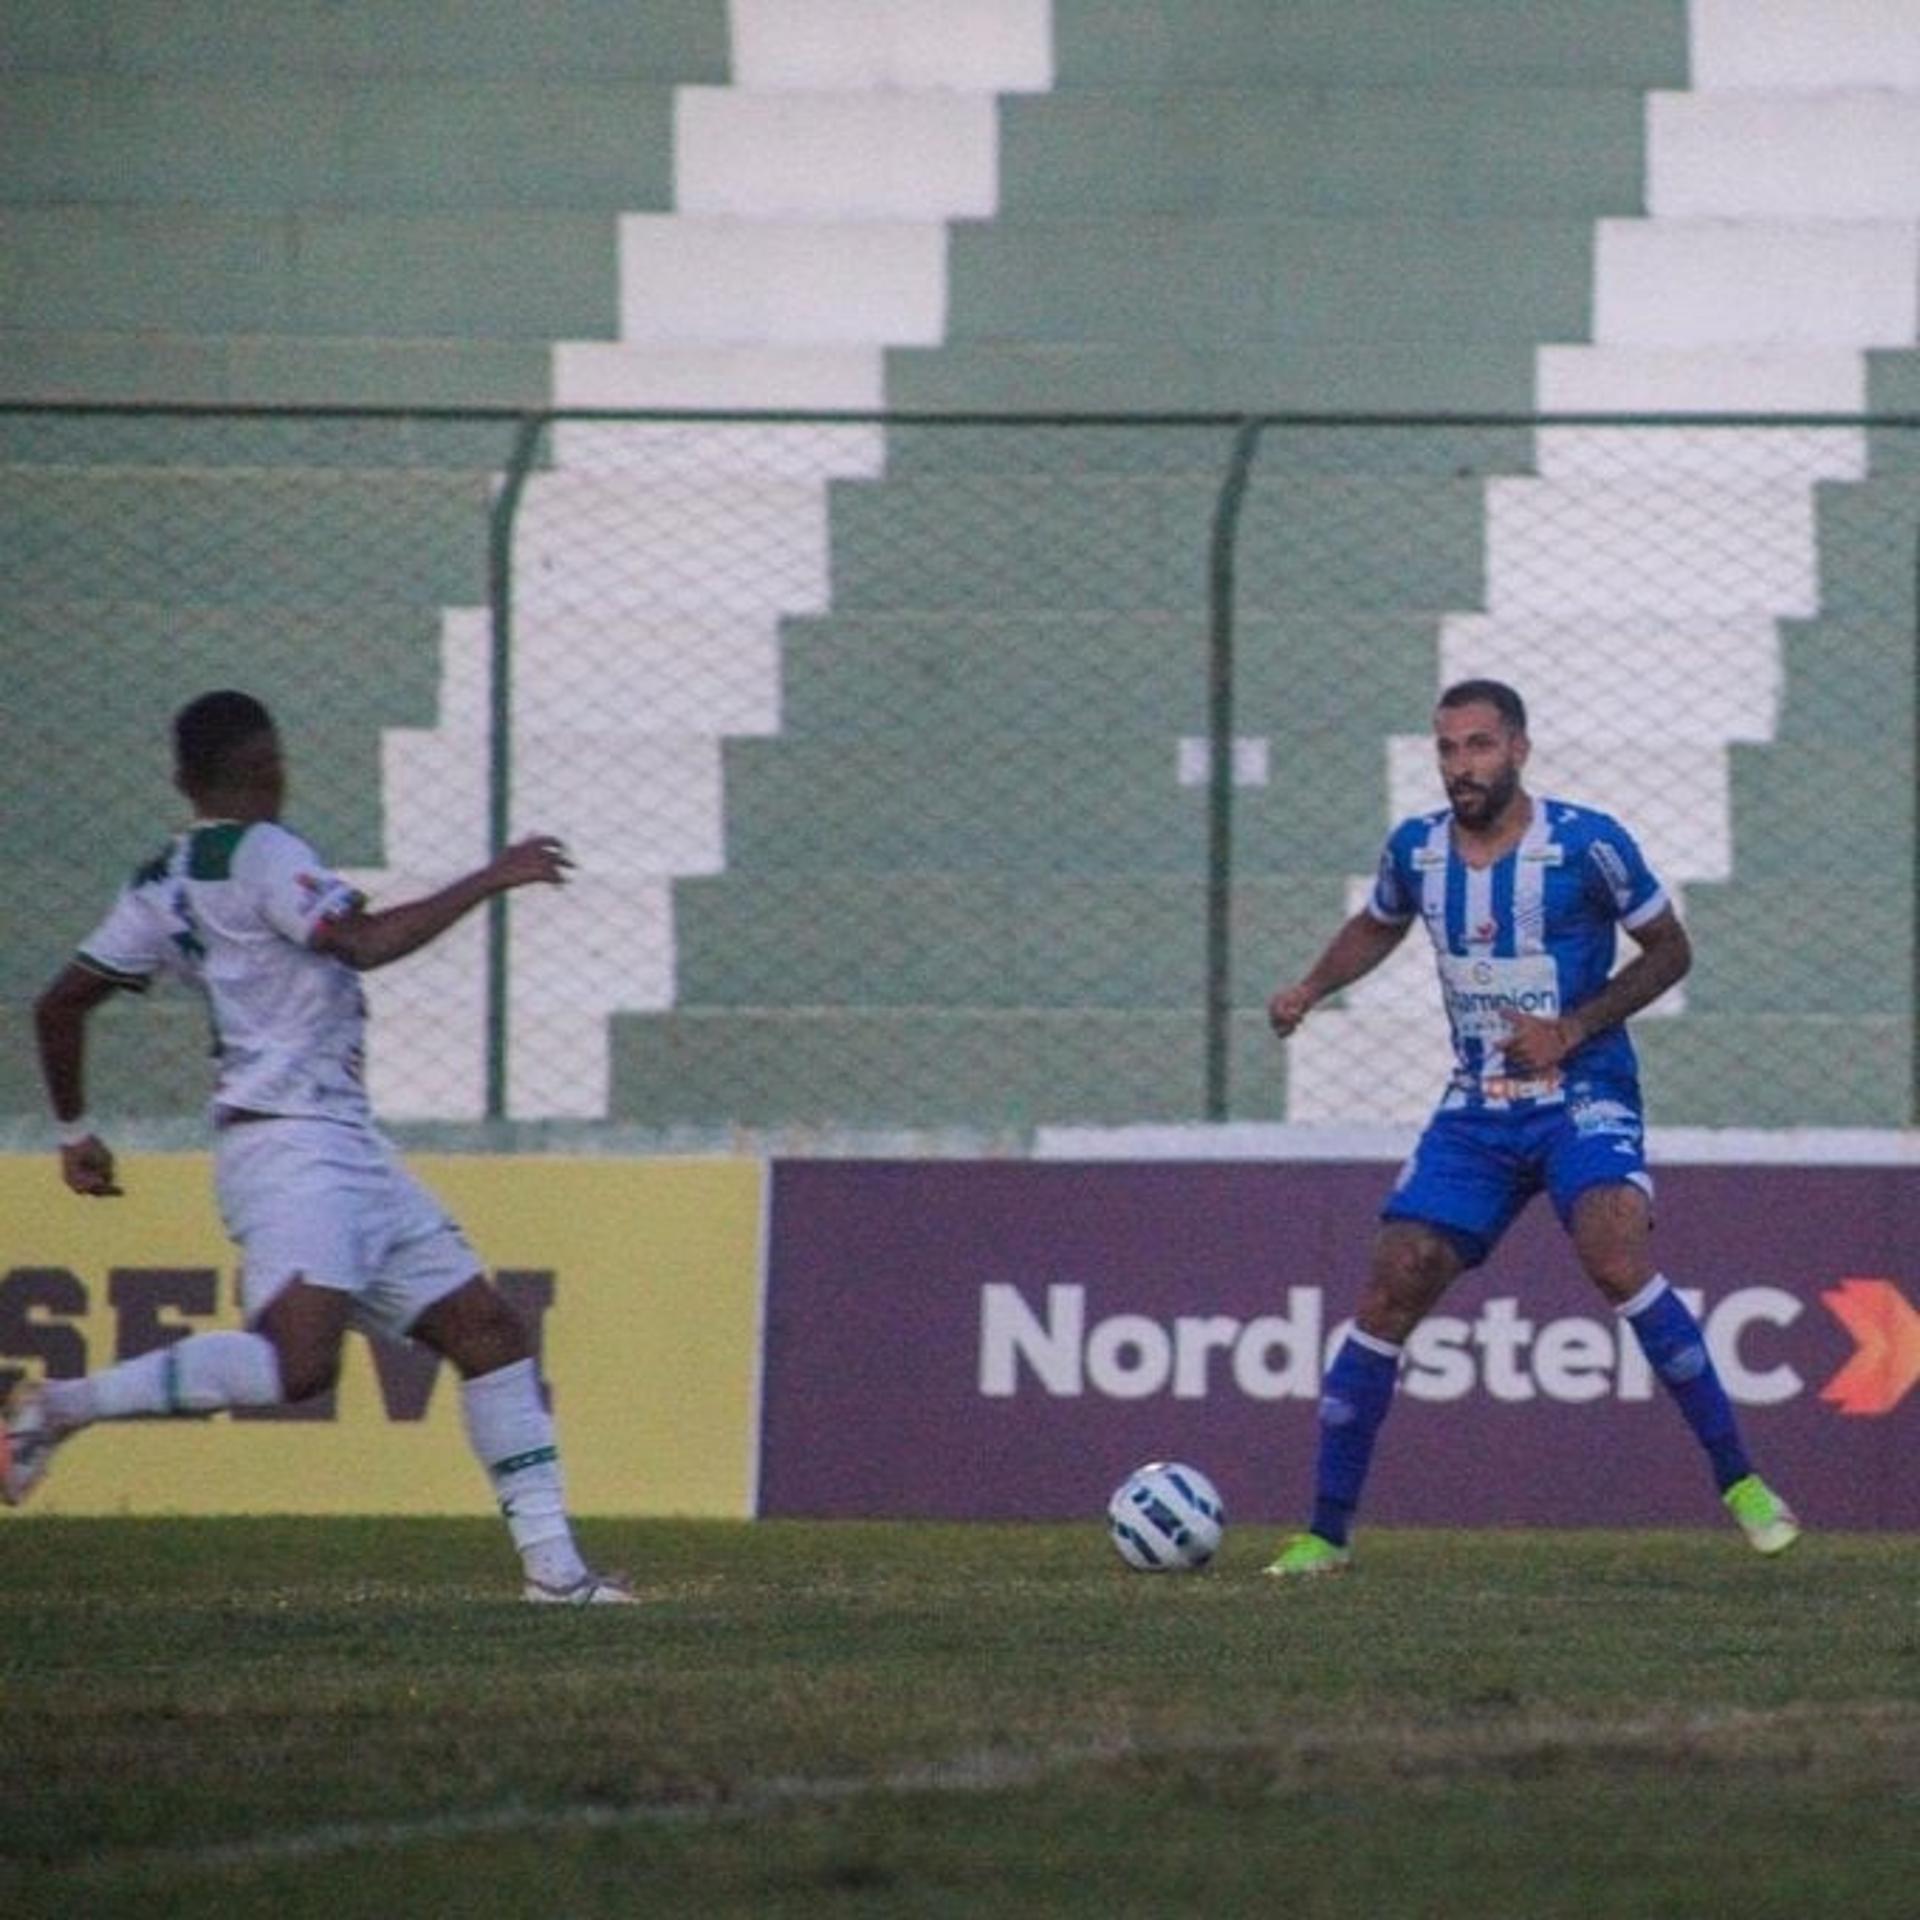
(1764, 1517)
(1308, 1553)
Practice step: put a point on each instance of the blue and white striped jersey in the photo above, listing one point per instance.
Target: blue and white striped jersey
(1533, 932)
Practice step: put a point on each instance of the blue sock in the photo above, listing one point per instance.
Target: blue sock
(1673, 1343)
(1353, 1401)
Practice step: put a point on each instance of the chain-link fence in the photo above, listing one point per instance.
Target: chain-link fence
(964, 776)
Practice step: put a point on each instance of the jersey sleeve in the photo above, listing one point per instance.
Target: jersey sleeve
(291, 888)
(130, 945)
(1392, 899)
(1620, 879)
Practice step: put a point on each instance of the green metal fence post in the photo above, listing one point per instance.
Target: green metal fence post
(500, 526)
(1220, 690)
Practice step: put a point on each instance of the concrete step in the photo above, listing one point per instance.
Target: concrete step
(1636, 43)
(166, 367)
(1438, 149)
(596, 373)
(969, 674)
(686, 42)
(1329, 376)
(1028, 804)
(332, 441)
(239, 537)
(1850, 154)
(928, 1067)
(761, 154)
(1631, 544)
(1804, 44)
(969, 46)
(1035, 543)
(983, 941)
(1710, 377)
(1154, 280)
(492, 276)
(315, 142)
(1755, 282)
(711, 280)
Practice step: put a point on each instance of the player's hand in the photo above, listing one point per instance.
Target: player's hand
(1534, 1045)
(1289, 1007)
(87, 1167)
(539, 860)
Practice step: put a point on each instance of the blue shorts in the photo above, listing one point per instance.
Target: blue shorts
(1473, 1169)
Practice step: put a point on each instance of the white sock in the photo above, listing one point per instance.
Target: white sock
(203, 1373)
(511, 1434)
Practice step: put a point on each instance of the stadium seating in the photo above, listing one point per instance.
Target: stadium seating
(976, 849)
(886, 757)
(299, 206)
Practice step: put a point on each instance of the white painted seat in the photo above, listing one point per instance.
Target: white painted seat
(775, 154)
(1804, 45)
(718, 374)
(1740, 281)
(1712, 377)
(1850, 154)
(715, 279)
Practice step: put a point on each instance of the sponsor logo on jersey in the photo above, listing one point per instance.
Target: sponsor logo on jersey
(1482, 993)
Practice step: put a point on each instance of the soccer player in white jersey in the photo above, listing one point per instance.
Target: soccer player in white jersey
(1521, 898)
(333, 1231)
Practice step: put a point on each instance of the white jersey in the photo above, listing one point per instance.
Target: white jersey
(232, 908)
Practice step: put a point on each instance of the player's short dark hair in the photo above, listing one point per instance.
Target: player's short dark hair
(207, 729)
(1493, 693)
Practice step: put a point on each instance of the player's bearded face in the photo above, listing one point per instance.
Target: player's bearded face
(1480, 796)
(1480, 762)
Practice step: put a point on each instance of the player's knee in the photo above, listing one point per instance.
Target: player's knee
(476, 1328)
(1411, 1269)
(305, 1325)
(306, 1372)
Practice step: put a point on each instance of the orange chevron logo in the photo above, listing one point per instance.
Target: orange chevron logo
(1886, 1334)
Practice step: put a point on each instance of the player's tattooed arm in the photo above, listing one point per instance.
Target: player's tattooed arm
(1666, 954)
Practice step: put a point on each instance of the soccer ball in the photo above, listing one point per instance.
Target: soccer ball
(1166, 1518)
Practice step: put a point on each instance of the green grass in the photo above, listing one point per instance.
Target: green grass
(354, 1718)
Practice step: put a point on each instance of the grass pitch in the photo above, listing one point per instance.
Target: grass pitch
(356, 1718)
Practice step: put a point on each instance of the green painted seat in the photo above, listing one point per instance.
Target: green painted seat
(979, 1071)
(288, 143)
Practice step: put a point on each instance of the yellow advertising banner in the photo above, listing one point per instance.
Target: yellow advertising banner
(640, 1278)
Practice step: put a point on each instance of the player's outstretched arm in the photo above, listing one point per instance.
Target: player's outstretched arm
(367, 940)
(1360, 946)
(60, 1033)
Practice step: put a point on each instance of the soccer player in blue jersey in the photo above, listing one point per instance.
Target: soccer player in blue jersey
(1521, 897)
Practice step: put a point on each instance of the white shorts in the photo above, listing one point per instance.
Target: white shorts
(331, 1203)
